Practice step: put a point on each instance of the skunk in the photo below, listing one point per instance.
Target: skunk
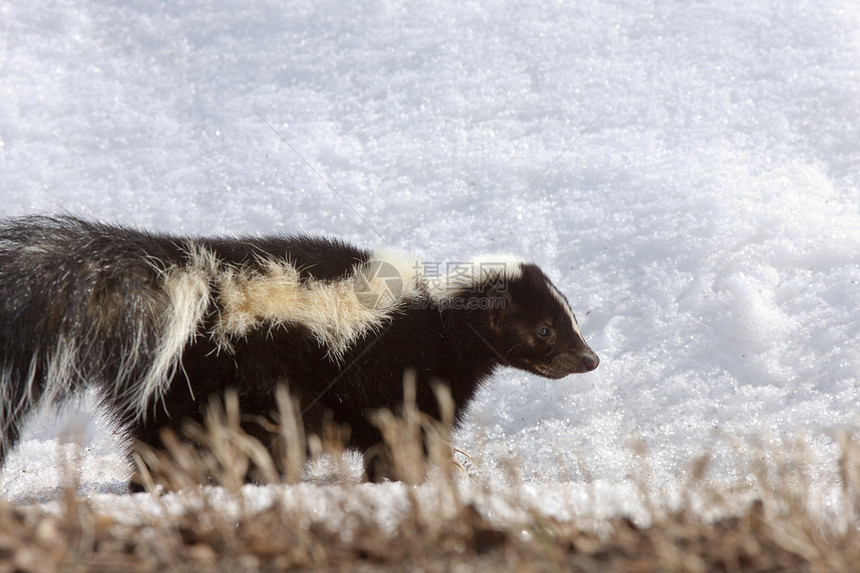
(159, 324)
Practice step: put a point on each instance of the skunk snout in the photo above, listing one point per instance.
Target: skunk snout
(589, 361)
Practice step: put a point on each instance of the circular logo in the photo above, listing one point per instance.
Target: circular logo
(378, 285)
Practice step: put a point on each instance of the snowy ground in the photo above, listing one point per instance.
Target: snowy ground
(687, 173)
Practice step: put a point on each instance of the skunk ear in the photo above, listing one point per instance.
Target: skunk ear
(500, 304)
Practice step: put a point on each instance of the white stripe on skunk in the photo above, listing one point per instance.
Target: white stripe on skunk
(276, 295)
(162, 323)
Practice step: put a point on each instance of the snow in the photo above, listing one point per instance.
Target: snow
(687, 173)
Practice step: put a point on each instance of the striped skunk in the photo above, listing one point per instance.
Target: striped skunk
(161, 323)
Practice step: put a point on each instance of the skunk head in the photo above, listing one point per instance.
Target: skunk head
(535, 330)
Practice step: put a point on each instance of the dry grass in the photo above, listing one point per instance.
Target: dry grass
(440, 528)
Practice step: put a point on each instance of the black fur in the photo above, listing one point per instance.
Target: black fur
(101, 288)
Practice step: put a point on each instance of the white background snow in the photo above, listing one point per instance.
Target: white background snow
(688, 173)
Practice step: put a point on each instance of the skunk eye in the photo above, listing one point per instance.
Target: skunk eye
(544, 332)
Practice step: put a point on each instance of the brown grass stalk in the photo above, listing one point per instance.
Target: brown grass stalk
(443, 527)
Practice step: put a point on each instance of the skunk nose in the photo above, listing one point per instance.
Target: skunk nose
(589, 361)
